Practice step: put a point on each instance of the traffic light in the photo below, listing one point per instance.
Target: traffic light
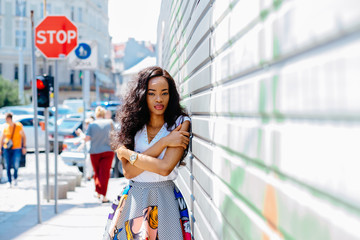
(42, 87)
(50, 81)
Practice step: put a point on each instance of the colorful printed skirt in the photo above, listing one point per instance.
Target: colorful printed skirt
(149, 211)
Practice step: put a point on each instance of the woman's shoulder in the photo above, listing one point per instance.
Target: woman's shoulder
(179, 120)
(140, 134)
(182, 118)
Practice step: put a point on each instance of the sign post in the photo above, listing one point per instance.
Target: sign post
(56, 37)
(85, 57)
(34, 99)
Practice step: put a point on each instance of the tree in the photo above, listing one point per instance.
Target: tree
(9, 95)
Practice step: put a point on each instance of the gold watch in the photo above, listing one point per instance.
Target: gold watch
(133, 158)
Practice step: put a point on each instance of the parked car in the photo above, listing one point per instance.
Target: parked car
(17, 110)
(81, 115)
(2, 123)
(62, 113)
(28, 125)
(66, 130)
(76, 105)
(72, 153)
(29, 110)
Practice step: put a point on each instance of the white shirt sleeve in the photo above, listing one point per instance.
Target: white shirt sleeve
(181, 119)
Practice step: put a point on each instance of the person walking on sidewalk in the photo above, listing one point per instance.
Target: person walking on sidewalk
(151, 142)
(88, 167)
(13, 143)
(101, 154)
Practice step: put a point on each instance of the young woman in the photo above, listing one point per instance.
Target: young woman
(101, 155)
(151, 143)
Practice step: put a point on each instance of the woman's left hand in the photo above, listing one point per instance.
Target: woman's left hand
(23, 150)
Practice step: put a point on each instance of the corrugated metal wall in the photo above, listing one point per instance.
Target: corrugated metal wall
(273, 89)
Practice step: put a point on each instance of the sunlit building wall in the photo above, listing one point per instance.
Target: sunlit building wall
(91, 19)
(273, 91)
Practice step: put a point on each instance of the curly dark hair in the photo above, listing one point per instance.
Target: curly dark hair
(134, 112)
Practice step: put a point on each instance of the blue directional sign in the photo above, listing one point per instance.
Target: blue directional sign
(83, 51)
(85, 56)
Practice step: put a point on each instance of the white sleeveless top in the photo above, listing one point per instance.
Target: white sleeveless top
(142, 144)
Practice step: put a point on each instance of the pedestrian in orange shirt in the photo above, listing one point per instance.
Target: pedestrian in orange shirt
(13, 142)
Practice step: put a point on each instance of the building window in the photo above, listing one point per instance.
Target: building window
(16, 72)
(80, 17)
(25, 73)
(20, 8)
(50, 70)
(20, 38)
(81, 76)
(72, 14)
(72, 78)
(48, 9)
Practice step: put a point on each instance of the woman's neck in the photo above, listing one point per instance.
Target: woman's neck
(156, 121)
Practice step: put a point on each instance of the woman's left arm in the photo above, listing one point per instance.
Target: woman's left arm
(176, 138)
(160, 166)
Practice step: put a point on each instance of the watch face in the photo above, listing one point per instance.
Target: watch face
(133, 157)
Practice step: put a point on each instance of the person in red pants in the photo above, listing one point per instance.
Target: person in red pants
(101, 154)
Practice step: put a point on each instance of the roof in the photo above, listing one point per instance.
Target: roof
(146, 62)
(102, 77)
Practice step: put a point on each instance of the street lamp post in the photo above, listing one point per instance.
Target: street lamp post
(21, 52)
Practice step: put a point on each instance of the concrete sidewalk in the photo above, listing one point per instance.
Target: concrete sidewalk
(80, 216)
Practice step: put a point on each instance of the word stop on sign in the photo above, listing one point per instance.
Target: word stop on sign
(60, 36)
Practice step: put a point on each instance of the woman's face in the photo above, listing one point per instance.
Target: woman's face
(157, 97)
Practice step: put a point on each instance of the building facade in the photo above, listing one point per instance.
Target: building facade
(272, 90)
(91, 19)
(127, 55)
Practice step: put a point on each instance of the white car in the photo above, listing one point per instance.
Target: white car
(17, 110)
(28, 125)
(73, 152)
(76, 105)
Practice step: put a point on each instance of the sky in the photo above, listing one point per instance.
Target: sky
(133, 18)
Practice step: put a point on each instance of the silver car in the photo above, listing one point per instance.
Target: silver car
(73, 152)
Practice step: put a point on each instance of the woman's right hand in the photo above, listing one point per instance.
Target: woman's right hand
(178, 138)
(119, 151)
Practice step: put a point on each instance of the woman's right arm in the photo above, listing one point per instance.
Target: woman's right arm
(175, 139)
(160, 166)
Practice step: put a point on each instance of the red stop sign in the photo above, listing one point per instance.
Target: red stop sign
(56, 36)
